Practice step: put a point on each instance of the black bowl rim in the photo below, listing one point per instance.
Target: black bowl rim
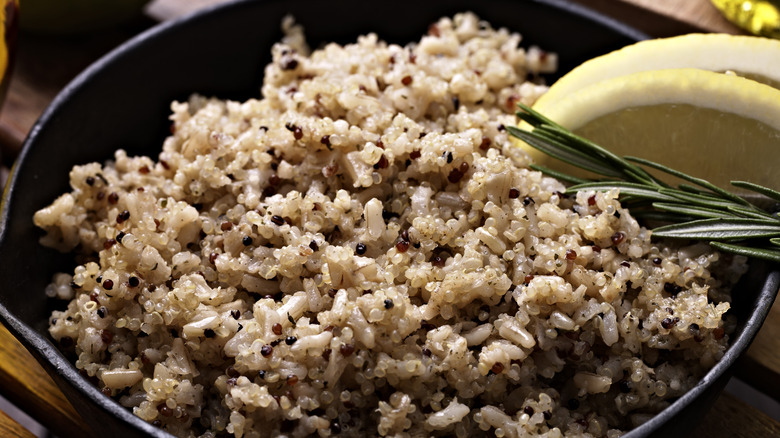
(737, 347)
(55, 362)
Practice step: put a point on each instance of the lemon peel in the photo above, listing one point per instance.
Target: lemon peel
(754, 57)
(700, 88)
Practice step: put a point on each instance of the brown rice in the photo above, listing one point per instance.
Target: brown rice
(363, 251)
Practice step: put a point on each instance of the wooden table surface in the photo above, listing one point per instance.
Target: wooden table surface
(46, 64)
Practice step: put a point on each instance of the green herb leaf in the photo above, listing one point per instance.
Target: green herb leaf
(750, 212)
(626, 188)
(700, 200)
(562, 152)
(758, 253)
(558, 175)
(726, 216)
(691, 211)
(698, 181)
(720, 229)
(766, 191)
(659, 216)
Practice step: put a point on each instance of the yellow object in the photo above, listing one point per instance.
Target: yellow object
(3, 44)
(715, 126)
(9, 20)
(759, 17)
(753, 57)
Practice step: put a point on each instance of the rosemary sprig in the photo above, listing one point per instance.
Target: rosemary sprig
(696, 208)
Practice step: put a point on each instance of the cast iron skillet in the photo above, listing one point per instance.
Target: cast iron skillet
(122, 101)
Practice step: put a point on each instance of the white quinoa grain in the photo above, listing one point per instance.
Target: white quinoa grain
(363, 251)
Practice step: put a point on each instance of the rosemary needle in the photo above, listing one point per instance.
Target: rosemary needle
(695, 209)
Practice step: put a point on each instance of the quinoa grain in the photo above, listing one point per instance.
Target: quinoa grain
(263, 312)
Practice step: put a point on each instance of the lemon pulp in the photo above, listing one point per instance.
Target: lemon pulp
(710, 125)
(693, 140)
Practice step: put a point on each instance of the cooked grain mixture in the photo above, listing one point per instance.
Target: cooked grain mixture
(364, 252)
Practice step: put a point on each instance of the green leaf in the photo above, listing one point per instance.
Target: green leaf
(545, 126)
(766, 191)
(626, 189)
(698, 181)
(629, 201)
(691, 211)
(591, 149)
(558, 175)
(719, 229)
(693, 189)
(751, 212)
(530, 119)
(562, 152)
(659, 216)
(726, 216)
(535, 115)
(700, 200)
(759, 253)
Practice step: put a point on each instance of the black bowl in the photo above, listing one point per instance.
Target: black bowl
(122, 101)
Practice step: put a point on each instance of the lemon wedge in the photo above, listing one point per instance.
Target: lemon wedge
(711, 125)
(752, 57)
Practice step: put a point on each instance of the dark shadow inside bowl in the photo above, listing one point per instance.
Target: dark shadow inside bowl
(123, 101)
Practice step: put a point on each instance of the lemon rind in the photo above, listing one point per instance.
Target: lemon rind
(731, 94)
(713, 52)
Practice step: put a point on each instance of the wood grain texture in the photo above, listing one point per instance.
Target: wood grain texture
(699, 13)
(43, 66)
(10, 428)
(654, 24)
(733, 418)
(760, 367)
(24, 383)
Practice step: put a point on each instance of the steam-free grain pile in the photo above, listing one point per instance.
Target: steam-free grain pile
(363, 252)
